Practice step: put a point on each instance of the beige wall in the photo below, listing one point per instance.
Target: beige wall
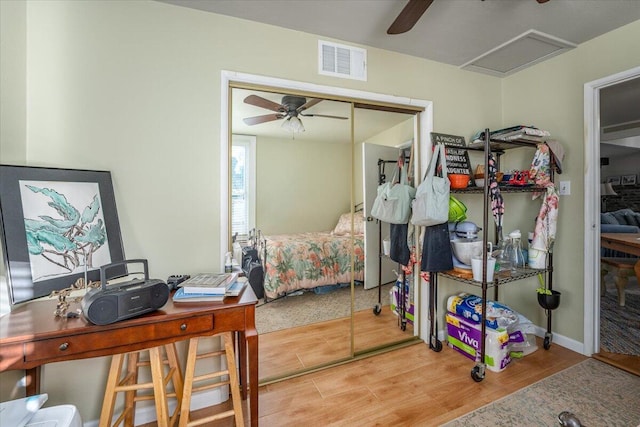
(13, 76)
(134, 87)
(625, 164)
(302, 186)
(551, 96)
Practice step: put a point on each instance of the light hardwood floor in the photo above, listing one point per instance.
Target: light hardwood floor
(411, 386)
(324, 342)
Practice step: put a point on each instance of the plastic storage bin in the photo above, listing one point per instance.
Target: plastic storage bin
(56, 416)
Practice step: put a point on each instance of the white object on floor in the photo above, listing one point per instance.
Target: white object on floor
(56, 416)
(18, 412)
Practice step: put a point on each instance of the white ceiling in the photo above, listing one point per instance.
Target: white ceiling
(451, 31)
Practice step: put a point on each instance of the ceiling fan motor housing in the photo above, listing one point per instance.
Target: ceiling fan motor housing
(292, 103)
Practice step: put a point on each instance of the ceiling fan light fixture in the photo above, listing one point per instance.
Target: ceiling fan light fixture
(293, 124)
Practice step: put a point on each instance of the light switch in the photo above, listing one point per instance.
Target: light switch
(565, 188)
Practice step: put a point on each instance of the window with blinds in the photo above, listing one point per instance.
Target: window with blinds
(242, 185)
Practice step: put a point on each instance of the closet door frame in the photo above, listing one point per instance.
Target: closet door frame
(423, 126)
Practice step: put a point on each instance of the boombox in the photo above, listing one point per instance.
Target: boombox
(121, 301)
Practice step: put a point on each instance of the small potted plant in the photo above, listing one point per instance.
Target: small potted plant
(547, 298)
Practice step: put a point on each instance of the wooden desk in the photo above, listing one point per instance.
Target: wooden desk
(624, 242)
(30, 336)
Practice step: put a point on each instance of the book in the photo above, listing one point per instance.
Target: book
(181, 296)
(236, 288)
(209, 283)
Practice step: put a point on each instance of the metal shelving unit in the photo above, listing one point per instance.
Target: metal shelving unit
(500, 278)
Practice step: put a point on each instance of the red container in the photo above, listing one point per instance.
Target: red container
(458, 180)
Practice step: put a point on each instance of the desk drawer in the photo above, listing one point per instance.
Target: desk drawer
(95, 341)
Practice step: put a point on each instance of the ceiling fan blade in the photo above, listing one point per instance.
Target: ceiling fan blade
(262, 119)
(542, 1)
(258, 101)
(310, 103)
(325, 116)
(409, 16)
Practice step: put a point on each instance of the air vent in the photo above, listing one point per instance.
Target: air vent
(339, 60)
(518, 53)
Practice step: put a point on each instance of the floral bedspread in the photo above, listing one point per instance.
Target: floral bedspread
(307, 260)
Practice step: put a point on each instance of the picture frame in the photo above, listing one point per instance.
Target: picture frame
(455, 151)
(613, 180)
(56, 226)
(628, 179)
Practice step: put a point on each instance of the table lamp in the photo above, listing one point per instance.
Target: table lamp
(606, 189)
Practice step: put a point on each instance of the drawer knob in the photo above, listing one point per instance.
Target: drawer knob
(64, 346)
(183, 327)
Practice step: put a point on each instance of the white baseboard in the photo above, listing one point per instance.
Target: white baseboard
(147, 414)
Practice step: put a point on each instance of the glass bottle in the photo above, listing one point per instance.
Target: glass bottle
(516, 256)
(503, 259)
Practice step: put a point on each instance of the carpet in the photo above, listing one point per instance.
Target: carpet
(620, 326)
(598, 394)
(308, 307)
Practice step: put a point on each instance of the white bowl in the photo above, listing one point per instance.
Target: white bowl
(479, 182)
(464, 249)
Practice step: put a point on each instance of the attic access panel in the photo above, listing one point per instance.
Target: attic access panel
(518, 53)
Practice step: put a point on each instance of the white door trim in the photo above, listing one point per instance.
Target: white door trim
(592, 206)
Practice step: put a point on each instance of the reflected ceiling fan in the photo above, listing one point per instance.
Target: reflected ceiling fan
(412, 12)
(290, 110)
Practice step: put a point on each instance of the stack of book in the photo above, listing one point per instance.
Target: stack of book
(209, 287)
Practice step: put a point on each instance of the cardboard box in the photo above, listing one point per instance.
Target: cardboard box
(464, 337)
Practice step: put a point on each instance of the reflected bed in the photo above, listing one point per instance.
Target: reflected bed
(305, 261)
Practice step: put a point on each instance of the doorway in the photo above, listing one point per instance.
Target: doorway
(592, 110)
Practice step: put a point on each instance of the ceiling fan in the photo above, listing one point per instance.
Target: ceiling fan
(412, 12)
(290, 109)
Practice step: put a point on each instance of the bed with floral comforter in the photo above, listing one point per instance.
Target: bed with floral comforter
(303, 261)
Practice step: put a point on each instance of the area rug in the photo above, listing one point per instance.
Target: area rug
(620, 326)
(308, 307)
(598, 394)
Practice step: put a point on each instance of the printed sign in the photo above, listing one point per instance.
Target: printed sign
(455, 152)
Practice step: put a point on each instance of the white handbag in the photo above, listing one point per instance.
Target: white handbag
(431, 203)
(393, 202)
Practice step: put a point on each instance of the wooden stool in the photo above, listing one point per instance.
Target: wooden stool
(190, 378)
(622, 268)
(128, 383)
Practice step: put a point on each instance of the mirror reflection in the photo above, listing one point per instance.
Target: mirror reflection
(293, 161)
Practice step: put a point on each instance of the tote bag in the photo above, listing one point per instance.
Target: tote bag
(431, 203)
(393, 202)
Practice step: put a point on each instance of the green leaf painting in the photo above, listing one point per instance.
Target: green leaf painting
(63, 238)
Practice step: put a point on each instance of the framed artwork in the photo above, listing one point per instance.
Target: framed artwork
(58, 225)
(628, 179)
(613, 180)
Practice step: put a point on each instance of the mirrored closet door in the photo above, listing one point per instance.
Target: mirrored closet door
(296, 177)
(378, 149)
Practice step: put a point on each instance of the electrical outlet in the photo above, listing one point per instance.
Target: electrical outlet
(565, 188)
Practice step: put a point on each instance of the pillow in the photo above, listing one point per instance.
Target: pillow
(633, 218)
(620, 216)
(608, 218)
(343, 227)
